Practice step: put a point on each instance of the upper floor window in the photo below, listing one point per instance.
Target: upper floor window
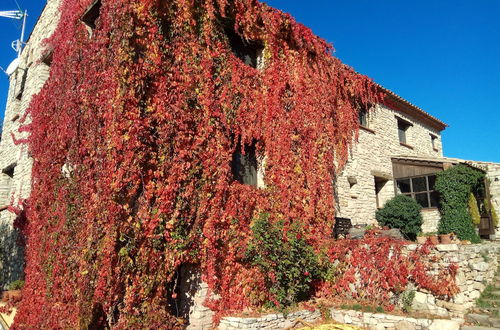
(420, 188)
(249, 52)
(434, 142)
(403, 127)
(89, 18)
(244, 164)
(363, 118)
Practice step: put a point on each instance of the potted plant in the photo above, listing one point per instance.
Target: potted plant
(421, 238)
(432, 237)
(445, 238)
(14, 291)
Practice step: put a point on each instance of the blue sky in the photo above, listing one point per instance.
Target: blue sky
(443, 56)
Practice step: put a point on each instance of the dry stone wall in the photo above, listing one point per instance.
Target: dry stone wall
(477, 265)
(15, 162)
(371, 157)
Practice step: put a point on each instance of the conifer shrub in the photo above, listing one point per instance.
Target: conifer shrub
(454, 186)
(474, 210)
(401, 212)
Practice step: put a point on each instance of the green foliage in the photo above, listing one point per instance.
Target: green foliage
(401, 212)
(407, 300)
(474, 210)
(288, 261)
(454, 186)
(490, 208)
(16, 285)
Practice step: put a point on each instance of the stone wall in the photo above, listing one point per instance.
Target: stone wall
(370, 158)
(477, 266)
(376, 321)
(25, 82)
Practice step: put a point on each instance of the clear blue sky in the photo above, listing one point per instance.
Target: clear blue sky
(443, 56)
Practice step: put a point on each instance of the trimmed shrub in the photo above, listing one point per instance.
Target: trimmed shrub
(401, 212)
(474, 210)
(491, 208)
(454, 186)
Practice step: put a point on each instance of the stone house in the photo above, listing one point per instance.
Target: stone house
(397, 141)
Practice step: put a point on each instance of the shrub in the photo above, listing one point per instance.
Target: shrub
(289, 262)
(401, 212)
(490, 208)
(16, 285)
(474, 210)
(454, 186)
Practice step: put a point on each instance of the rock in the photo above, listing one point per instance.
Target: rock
(478, 319)
(444, 324)
(479, 266)
(357, 233)
(405, 325)
(394, 233)
(447, 247)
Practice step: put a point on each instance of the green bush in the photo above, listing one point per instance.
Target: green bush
(454, 186)
(491, 208)
(474, 210)
(401, 212)
(289, 262)
(16, 285)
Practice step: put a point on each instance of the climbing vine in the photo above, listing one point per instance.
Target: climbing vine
(454, 186)
(132, 138)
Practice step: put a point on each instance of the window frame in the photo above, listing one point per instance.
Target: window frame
(413, 193)
(403, 127)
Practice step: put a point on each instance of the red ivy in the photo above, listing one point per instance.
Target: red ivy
(144, 115)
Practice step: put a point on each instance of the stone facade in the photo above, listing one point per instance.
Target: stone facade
(371, 159)
(15, 162)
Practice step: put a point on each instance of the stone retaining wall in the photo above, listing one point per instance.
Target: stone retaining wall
(477, 265)
(376, 321)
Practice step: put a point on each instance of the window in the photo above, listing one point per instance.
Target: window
(91, 15)
(6, 177)
(420, 188)
(47, 57)
(244, 164)
(434, 142)
(249, 52)
(363, 118)
(21, 83)
(403, 126)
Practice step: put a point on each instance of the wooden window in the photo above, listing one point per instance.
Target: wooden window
(244, 164)
(420, 188)
(91, 15)
(403, 126)
(249, 52)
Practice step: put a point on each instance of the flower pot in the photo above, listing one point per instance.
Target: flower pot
(421, 239)
(434, 240)
(445, 239)
(11, 295)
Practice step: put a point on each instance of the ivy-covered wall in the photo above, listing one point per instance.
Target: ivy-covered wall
(150, 107)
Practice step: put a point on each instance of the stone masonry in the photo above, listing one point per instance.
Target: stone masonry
(15, 162)
(370, 158)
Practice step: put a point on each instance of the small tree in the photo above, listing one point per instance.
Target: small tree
(401, 212)
(474, 210)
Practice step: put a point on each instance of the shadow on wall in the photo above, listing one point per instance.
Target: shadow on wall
(11, 255)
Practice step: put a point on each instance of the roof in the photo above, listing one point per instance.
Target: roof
(476, 164)
(408, 108)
